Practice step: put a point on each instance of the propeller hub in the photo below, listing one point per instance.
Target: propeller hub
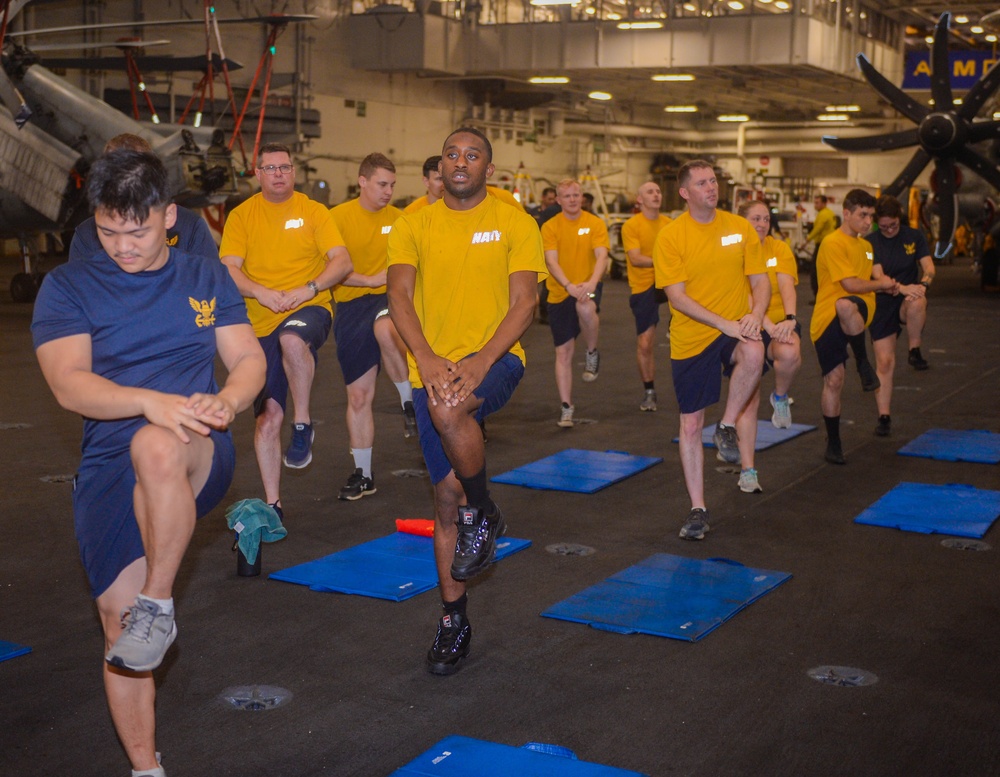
(941, 132)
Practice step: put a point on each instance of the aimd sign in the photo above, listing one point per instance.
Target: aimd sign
(965, 68)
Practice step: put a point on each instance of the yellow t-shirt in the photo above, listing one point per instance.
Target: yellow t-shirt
(712, 261)
(575, 241)
(366, 236)
(840, 256)
(464, 260)
(640, 232)
(417, 204)
(778, 258)
(282, 245)
(825, 224)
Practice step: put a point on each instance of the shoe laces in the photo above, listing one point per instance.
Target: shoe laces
(471, 537)
(138, 620)
(357, 478)
(448, 633)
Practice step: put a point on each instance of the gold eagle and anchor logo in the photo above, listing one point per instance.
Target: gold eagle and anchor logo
(205, 311)
(910, 248)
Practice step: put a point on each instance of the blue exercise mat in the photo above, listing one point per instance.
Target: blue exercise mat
(10, 650)
(767, 435)
(579, 471)
(669, 596)
(464, 757)
(977, 446)
(395, 567)
(955, 509)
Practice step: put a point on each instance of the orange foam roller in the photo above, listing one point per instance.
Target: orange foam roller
(421, 526)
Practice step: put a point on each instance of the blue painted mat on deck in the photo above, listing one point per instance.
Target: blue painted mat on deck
(955, 509)
(464, 757)
(395, 567)
(10, 650)
(669, 596)
(767, 435)
(579, 471)
(976, 445)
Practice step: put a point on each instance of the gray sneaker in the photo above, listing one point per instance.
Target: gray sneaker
(592, 366)
(148, 632)
(727, 443)
(649, 403)
(748, 482)
(782, 417)
(566, 416)
(696, 525)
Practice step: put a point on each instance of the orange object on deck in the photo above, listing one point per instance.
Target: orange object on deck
(420, 526)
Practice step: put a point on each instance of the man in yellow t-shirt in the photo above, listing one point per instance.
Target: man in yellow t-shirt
(461, 283)
(824, 224)
(845, 306)
(710, 264)
(365, 336)
(638, 238)
(285, 253)
(576, 255)
(432, 182)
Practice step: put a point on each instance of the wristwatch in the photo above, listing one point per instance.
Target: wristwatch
(791, 317)
(312, 285)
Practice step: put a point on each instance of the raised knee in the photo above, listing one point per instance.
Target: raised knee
(269, 422)
(157, 451)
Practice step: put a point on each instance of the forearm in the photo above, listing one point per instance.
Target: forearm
(859, 286)
(404, 318)
(760, 287)
(786, 290)
(516, 322)
(684, 304)
(246, 287)
(245, 380)
(337, 269)
(600, 268)
(638, 259)
(93, 396)
(357, 280)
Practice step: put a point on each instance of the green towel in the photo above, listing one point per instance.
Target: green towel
(254, 521)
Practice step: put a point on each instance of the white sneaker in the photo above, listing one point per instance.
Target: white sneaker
(748, 482)
(782, 417)
(566, 416)
(649, 403)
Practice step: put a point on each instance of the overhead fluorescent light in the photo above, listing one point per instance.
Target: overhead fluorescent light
(548, 80)
(640, 25)
(961, 19)
(833, 117)
(690, 7)
(782, 5)
(674, 77)
(614, 16)
(843, 108)
(736, 5)
(733, 117)
(977, 29)
(599, 95)
(681, 108)
(991, 38)
(555, 2)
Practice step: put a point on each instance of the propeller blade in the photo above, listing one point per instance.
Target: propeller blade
(899, 99)
(980, 165)
(940, 75)
(885, 142)
(947, 204)
(909, 174)
(984, 130)
(981, 91)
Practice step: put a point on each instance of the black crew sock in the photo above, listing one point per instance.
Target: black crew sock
(832, 429)
(457, 606)
(649, 385)
(857, 343)
(476, 493)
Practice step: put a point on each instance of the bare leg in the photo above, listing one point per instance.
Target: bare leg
(693, 456)
(746, 430)
(913, 313)
(564, 371)
(448, 495)
(748, 361)
(885, 366)
(300, 368)
(851, 321)
(833, 385)
(360, 420)
(644, 354)
(787, 362)
(393, 350)
(267, 445)
(586, 312)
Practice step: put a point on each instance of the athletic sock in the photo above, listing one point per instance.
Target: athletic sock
(857, 343)
(476, 492)
(166, 605)
(405, 389)
(157, 772)
(363, 460)
(832, 429)
(649, 385)
(456, 606)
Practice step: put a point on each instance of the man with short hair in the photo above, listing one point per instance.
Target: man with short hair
(461, 284)
(432, 183)
(189, 233)
(548, 207)
(824, 224)
(128, 338)
(709, 261)
(362, 329)
(845, 305)
(576, 255)
(285, 253)
(638, 238)
(902, 253)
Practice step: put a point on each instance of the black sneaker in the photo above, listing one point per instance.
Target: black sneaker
(834, 453)
(869, 378)
(727, 443)
(884, 426)
(409, 420)
(917, 361)
(357, 486)
(477, 541)
(696, 525)
(451, 644)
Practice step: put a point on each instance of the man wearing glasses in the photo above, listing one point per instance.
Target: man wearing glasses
(285, 253)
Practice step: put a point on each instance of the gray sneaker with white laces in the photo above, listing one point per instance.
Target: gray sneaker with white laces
(592, 366)
(782, 416)
(696, 525)
(748, 482)
(148, 633)
(649, 403)
(566, 416)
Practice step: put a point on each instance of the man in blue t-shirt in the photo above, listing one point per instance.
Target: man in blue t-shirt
(903, 254)
(127, 338)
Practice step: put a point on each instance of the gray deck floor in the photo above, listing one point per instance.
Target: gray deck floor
(923, 618)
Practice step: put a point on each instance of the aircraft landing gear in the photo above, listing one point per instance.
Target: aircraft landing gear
(24, 287)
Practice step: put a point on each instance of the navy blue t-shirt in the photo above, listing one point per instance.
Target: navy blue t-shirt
(900, 255)
(189, 234)
(153, 329)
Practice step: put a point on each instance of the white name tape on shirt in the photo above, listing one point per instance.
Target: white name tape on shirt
(490, 236)
(295, 223)
(387, 230)
(583, 231)
(772, 262)
(728, 240)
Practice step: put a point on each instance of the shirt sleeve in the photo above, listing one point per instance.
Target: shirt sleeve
(667, 264)
(57, 312)
(234, 236)
(786, 261)
(85, 242)
(753, 253)
(526, 253)
(599, 234)
(630, 236)
(402, 245)
(200, 242)
(327, 234)
(550, 236)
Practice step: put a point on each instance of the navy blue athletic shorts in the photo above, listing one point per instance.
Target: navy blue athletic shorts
(698, 380)
(885, 322)
(646, 309)
(312, 324)
(831, 347)
(354, 333)
(496, 389)
(563, 320)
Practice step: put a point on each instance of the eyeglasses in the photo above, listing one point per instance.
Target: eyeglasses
(272, 169)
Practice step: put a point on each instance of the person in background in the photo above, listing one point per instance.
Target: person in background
(432, 183)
